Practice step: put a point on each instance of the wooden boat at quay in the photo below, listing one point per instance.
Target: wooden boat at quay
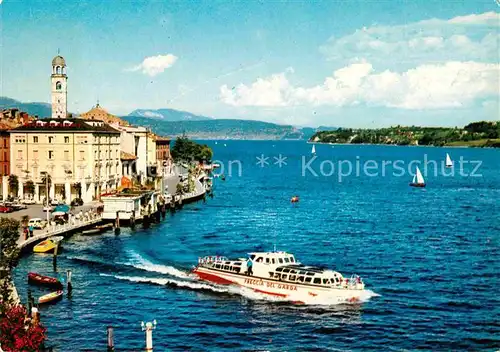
(98, 229)
(42, 280)
(48, 245)
(51, 297)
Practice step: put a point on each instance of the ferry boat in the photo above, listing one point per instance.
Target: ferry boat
(280, 274)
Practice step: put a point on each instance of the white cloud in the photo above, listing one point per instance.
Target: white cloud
(487, 18)
(430, 86)
(154, 65)
(464, 38)
(271, 91)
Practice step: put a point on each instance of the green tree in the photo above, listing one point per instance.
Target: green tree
(13, 184)
(30, 187)
(78, 189)
(9, 253)
(185, 150)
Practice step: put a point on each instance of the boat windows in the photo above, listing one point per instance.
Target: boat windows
(237, 263)
(283, 277)
(226, 267)
(337, 279)
(317, 280)
(267, 260)
(293, 271)
(310, 274)
(279, 269)
(291, 278)
(286, 270)
(326, 281)
(236, 269)
(277, 276)
(292, 260)
(274, 262)
(300, 279)
(287, 260)
(217, 266)
(302, 272)
(260, 260)
(308, 279)
(252, 256)
(280, 260)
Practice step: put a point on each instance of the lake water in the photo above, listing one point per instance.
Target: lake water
(431, 257)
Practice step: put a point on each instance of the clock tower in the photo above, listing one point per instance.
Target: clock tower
(59, 82)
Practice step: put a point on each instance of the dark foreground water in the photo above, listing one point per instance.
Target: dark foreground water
(432, 256)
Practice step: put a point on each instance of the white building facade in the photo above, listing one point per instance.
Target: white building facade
(82, 158)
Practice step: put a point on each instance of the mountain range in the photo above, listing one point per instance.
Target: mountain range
(34, 109)
(170, 122)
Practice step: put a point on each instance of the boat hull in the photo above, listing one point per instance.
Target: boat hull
(41, 280)
(420, 185)
(46, 246)
(295, 292)
(52, 297)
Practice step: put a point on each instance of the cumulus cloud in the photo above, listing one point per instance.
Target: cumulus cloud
(154, 65)
(429, 86)
(472, 37)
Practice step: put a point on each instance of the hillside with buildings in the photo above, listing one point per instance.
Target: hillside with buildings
(476, 134)
(223, 129)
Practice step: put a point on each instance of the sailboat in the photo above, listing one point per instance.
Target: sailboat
(449, 163)
(418, 179)
(313, 151)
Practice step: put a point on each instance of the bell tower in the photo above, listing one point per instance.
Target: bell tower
(59, 82)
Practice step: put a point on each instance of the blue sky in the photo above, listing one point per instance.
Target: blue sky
(338, 63)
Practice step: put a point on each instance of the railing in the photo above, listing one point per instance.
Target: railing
(52, 230)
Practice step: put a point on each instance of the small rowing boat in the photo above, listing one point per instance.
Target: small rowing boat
(98, 229)
(51, 297)
(37, 279)
(48, 245)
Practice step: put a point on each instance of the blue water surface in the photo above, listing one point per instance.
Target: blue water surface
(432, 256)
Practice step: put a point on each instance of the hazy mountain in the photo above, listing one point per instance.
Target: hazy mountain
(222, 129)
(39, 109)
(168, 115)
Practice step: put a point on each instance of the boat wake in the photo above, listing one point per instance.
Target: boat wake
(138, 262)
(192, 283)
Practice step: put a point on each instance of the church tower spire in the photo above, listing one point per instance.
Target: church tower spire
(59, 88)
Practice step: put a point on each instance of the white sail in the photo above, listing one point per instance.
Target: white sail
(420, 178)
(449, 163)
(313, 149)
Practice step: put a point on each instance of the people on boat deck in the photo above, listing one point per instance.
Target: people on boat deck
(249, 267)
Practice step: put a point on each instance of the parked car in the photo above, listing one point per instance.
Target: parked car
(37, 223)
(48, 208)
(28, 201)
(5, 209)
(18, 206)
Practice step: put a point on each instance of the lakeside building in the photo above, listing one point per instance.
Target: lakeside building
(13, 117)
(4, 160)
(82, 158)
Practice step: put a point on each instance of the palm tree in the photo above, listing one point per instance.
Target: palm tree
(46, 181)
(13, 184)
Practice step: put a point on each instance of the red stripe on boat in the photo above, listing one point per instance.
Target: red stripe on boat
(213, 278)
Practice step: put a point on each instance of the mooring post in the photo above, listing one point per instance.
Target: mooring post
(30, 297)
(111, 343)
(68, 281)
(35, 315)
(149, 327)
(54, 258)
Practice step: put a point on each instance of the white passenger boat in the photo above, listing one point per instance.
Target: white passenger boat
(280, 274)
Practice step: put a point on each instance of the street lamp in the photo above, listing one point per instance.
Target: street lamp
(149, 327)
(46, 174)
